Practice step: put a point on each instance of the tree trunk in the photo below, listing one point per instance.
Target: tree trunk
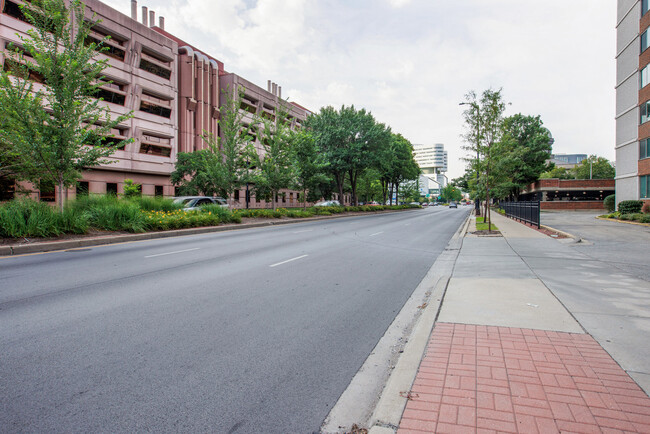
(397, 193)
(390, 198)
(339, 183)
(304, 199)
(61, 196)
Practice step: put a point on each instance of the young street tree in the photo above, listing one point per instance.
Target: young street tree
(223, 166)
(55, 128)
(488, 114)
(274, 171)
(310, 168)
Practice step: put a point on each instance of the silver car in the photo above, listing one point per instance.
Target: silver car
(328, 203)
(192, 203)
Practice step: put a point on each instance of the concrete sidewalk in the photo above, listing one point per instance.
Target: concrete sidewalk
(533, 336)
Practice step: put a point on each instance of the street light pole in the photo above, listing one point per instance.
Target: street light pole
(477, 206)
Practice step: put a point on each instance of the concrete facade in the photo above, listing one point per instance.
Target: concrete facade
(142, 68)
(174, 91)
(632, 98)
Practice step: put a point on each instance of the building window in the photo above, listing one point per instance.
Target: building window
(7, 188)
(46, 191)
(644, 76)
(644, 149)
(644, 7)
(644, 41)
(237, 195)
(111, 188)
(155, 109)
(645, 111)
(645, 186)
(82, 188)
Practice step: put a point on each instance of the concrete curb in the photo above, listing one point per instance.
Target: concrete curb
(388, 412)
(624, 221)
(566, 234)
(41, 247)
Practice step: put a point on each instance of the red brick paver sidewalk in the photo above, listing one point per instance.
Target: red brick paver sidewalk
(499, 379)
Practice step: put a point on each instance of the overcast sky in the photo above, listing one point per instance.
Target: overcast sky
(411, 61)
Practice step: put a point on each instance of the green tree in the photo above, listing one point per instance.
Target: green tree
(595, 167)
(223, 166)
(403, 166)
(369, 186)
(310, 167)
(274, 170)
(450, 193)
(58, 128)
(484, 121)
(523, 152)
(557, 172)
(350, 140)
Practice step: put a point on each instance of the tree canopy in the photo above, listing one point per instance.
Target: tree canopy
(52, 124)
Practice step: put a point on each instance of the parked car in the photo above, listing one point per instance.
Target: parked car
(192, 203)
(373, 203)
(453, 205)
(328, 203)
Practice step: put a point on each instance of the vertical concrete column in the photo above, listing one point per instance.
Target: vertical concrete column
(134, 10)
(145, 14)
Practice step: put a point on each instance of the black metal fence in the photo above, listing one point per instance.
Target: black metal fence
(525, 211)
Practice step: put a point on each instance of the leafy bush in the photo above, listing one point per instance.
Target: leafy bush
(149, 203)
(626, 217)
(645, 218)
(630, 206)
(131, 189)
(610, 203)
(26, 218)
(224, 214)
(645, 209)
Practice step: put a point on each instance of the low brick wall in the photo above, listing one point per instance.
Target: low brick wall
(573, 205)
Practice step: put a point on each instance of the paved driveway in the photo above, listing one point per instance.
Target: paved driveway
(624, 246)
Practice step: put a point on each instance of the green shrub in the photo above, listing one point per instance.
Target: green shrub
(29, 218)
(150, 203)
(224, 214)
(645, 218)
(131, 189)
(626, 217)
(112, 214)
(630, 206)
(299, 214)
(610, 203)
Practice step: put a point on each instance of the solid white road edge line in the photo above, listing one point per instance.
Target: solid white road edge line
(172, 253)
(377, 233)
(288, 260)
(300, 232)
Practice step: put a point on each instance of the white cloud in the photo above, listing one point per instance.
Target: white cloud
(412, 65)
(398, 3)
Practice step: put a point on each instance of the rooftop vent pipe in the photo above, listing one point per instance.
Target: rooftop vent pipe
(144, 15)
(134, 10)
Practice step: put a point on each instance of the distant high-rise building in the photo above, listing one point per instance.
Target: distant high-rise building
(433, 161)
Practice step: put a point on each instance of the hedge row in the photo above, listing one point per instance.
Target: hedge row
(29, 218)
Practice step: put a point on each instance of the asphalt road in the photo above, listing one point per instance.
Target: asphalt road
(255, 330)
(623, 246)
